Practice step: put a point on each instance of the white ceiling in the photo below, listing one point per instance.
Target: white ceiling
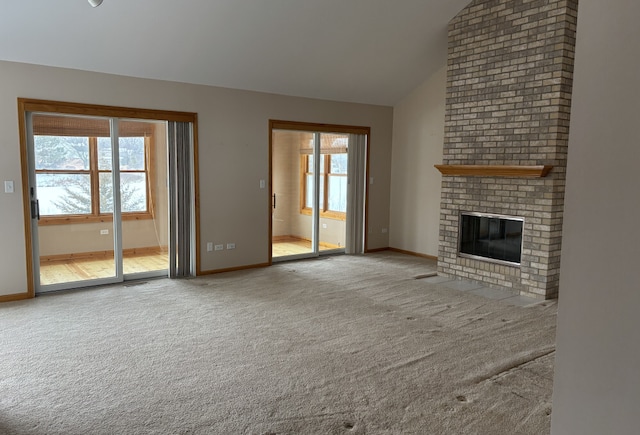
(366, 51)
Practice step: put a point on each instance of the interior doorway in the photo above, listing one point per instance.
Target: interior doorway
(317, 190)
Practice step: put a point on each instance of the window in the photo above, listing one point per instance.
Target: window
(73, 174)
(333, 185)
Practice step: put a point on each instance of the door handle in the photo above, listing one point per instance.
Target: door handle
(35, 209)
(274, 200)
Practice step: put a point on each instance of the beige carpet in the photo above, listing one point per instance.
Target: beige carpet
(341, 345)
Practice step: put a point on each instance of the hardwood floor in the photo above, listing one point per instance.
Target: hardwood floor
(295, 246)
(54, 272)
(79, 269)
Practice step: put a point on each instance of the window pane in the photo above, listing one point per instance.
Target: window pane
(61, 152)
(308, 201)
(338, 163)
(104, 153)
(310, 164)
(308, 194)
(60, 194)
(337, 193)
(133, 192)
(132, 153)
(106, 193)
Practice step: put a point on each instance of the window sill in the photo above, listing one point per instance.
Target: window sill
(335, 215)
(77, 219)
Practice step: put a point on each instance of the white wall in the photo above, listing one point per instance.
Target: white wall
(418, 136)
(233, 146)
(597, 375)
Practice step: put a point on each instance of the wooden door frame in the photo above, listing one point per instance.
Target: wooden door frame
(275, 124)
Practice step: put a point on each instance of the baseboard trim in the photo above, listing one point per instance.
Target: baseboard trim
(415, 254)
(284, 239)
(370, 251)
(16, 297)
(232, 269)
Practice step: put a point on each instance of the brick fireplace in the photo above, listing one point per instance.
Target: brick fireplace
(509, 77)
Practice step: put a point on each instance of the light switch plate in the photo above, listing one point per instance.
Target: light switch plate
(8, 186)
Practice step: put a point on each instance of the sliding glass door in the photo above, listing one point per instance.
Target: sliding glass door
(310, 189)
(98, 199)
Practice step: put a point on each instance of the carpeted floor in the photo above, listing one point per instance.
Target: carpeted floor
(338, 345)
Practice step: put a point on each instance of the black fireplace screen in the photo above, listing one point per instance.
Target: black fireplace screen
(491, 237)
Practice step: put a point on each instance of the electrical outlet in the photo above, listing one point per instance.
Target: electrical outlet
(385, 231)
(231, 246)
(219, 247)
(104, 232)
(209, 246)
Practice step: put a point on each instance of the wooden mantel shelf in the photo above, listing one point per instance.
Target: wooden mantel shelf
(494, 170)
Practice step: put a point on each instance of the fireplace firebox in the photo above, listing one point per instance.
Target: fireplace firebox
(490, 237)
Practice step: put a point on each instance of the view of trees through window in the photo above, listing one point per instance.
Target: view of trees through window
(74, 175)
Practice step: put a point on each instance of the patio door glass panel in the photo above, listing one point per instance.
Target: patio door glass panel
(293, 202)
(332, 207)
(143, 196)
(309, 193)
(72, 189)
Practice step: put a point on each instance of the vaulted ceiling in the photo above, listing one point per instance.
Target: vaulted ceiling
(366, 51)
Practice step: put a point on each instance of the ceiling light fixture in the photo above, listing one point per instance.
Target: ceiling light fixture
(95, 3)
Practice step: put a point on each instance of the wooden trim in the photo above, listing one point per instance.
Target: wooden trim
(313, 127)
(334, 215)
(280, 239)
(494, 170)
(129, 252)
(233, 269)
(371, 251)
(87, 219)
(15, 297)
(293, 239)
(34, 105)
(415, 254)
(302, 190)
